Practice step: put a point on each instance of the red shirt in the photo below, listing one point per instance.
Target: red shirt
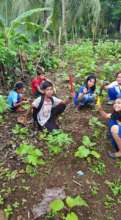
(37, 82)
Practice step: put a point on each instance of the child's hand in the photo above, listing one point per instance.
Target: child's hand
(24, 101)
(68, 100)
(72, 94)
(85, 90)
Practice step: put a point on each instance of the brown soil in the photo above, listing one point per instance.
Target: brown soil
(59, 171)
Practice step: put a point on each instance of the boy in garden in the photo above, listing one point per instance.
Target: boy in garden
(85, 95)
(47, 107)
(37, 81)
(114, 124)
(114, 88)
(15, 98)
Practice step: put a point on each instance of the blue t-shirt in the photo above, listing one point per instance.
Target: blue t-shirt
(13, 98)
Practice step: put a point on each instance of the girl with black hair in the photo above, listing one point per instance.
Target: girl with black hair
(114, 124)
(85, 95)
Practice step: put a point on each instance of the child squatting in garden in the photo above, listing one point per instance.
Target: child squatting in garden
(47, 107)
(15, 97)
(85, 96)
(114, 88)
(114, 124)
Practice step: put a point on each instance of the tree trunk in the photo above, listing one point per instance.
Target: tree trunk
(64, 20)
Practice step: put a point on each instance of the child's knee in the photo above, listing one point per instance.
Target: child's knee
(114, 129)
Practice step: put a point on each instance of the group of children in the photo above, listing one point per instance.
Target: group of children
(47, 106)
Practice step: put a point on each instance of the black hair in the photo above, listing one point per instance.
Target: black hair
(40, 70)
(46, 84)
(116, 116)
(19, 85)
(119, 72)
(91, 76)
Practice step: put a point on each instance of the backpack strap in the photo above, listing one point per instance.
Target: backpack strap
(36, 110)
(41, 103)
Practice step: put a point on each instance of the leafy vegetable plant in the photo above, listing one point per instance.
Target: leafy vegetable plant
(31, 156)
(85, 150)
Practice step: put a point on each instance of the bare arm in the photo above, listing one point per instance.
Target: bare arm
(39, 90)
(20, 103)
(104, 114)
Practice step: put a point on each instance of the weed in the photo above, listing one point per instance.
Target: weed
(115, 187)
(1, 200)
(57, 141)
(109, 201)
(94, 189)
(8, 211)
(21, 132)
(99, 168)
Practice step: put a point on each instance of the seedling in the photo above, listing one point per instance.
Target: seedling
(94, 189)
(56, 206)
(31, 156)
(94, 122)
(16, 205)
(71, 216)
(115, 187)
(57, 141)
(109, 201)
(99, 168)
(1, 200)
(70, 202)
(19, 131)
(8, 211)
(86, 149)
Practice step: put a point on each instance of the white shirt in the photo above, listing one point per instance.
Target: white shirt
(45, 112)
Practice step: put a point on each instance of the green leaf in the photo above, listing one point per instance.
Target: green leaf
(82, 152)
(77, 201)
(86, 141)
(24, 149)
(56, 206)
(95, 154)
(71, 216)
(25, 15)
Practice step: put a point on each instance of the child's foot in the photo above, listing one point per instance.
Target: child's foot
(114, 155)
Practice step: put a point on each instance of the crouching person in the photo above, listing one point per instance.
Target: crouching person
(47, 107)
(15, 98)
(114, 124)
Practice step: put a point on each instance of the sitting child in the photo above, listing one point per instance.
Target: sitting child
(47, 107)
(114, 88)
(86, 94)
(37, 81)
(15, 98)
(114, 124)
